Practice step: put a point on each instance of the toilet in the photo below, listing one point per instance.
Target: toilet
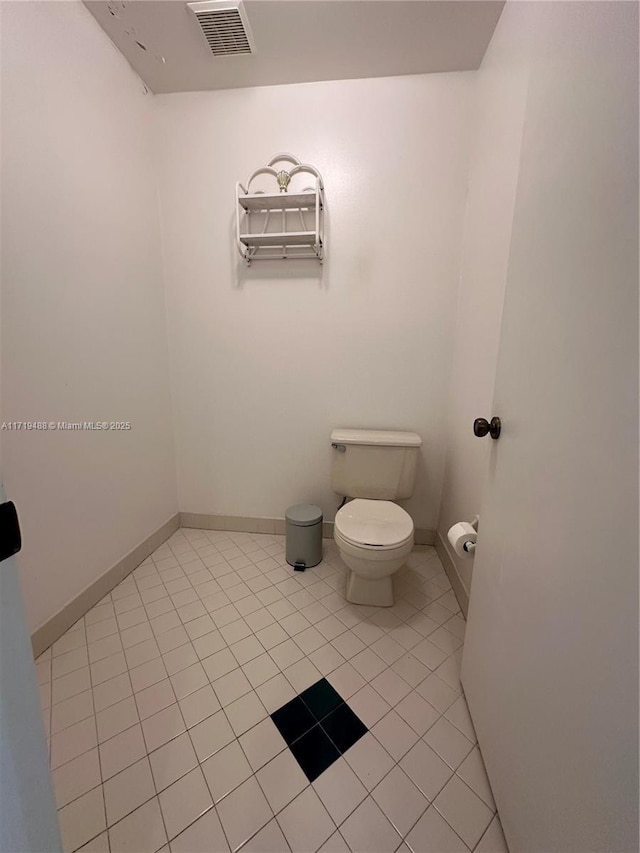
(373, 534)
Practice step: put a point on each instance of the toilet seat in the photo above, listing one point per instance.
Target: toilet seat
(378, 525)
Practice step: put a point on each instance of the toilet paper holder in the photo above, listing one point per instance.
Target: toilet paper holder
(470, 547)
(462, 536)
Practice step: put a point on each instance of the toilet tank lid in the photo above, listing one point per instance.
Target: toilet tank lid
(384, 438)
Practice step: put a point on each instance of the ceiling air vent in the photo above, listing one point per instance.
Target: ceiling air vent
(225, 26)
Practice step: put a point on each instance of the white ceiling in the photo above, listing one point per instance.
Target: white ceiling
(299, 41)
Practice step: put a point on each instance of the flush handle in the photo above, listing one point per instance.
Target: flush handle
(481, 426)
(341, 448)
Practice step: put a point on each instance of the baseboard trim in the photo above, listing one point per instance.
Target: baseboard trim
(54, 628)
(452, 573)
(424, 536)
(235, 523)
(256, 524)
(243, 523)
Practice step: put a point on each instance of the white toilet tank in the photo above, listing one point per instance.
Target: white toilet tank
(375, 464)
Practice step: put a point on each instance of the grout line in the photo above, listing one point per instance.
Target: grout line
(190, 555)
(95, 723)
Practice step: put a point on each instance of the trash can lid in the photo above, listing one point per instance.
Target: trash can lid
(304, 515)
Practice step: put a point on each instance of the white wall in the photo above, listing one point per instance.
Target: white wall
(83, 314)
(499, 108)
(267, 360)
(550, 664)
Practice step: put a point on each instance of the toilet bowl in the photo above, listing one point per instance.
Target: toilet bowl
(374, 538)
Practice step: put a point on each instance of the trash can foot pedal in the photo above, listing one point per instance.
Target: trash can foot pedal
(299, 567)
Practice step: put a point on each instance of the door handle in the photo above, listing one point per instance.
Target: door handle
(10, 539)
(481, 426)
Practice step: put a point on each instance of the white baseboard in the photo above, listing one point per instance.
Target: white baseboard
(424, 536)
(236, 523)
(253, 524)
(54, 628)
(243, 523)
(452, 573)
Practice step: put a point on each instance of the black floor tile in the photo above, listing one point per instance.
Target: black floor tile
(314, 752)
(321, 698)
(344, 727)
(293, 720)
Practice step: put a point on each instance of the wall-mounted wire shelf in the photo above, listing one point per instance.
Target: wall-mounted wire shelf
(281, 225)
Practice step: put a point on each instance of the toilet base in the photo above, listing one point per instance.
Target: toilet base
(376, 593)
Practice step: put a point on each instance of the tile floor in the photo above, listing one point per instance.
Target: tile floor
(158, 704)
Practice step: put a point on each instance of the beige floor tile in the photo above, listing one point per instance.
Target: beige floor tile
(231, 686)
(260, 669)
(493, 840)
(302, 675)
(153, 699)
(142, 653)
(199, 705)
(269, 840)
(70, 685)
(369, 705)
(173, 639)
(400, 800)
(225, 770)
(340, 790)
(71, 711)
(82, 819)
(262, 743)
(432, 834)
(426, 769)
(99, 844)
(110, 692)
(243, 813)
(450, 744)
(69, 642)
(73, 741)
(189, 680)
(108, 668)
(464, 811)
(104, 648)
(76, 777)
(211, 735)
(417, 712)
(163, 726)
(281, 779)
(367, 830)
(121, 751)
(245, 713)
(337, 844)
(275, 693)
(69, 662)
(473, 772)
(369, 760)
(346, 680)
(134, 635)
(127, 790)
(116, 719)
(218, 664)
(146, 674)
(203, 836)
(188, 631)
(305, 822)
(171, 761)
(140, 832)
(184, 802)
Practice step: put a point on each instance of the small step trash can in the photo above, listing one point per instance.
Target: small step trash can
(304, 536)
